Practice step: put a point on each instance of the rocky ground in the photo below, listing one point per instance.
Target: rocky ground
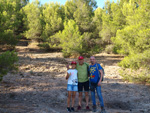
(40, 86)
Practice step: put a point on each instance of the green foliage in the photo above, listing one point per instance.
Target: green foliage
(53, 42)
(118, 19)
(52, 16)
(109, 49)
(69, 9)
(7, 37)
(134, 39)
(10, 21)
(82, 12)
(105, 33)
(113, 20)
(7, 62)
(97, 22)
(70, 38)
(90, 45)
(138, 76)
(136, 61)
(83, 15)
(79, 27)
(32, 20)
(72, 42)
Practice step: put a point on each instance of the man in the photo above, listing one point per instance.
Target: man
(83, 81)
(96, 75)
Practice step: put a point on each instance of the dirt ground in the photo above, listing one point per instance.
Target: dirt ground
(40, 86)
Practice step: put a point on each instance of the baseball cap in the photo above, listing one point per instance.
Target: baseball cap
(73, 62)
(80, 58)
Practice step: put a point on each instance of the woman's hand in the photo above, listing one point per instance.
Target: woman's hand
(68, 75)
(67, 66)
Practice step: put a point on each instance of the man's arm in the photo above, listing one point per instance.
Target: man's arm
(88, 69)
(101, 73)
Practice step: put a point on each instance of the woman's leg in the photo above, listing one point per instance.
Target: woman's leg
(68, 99)
(73, 97)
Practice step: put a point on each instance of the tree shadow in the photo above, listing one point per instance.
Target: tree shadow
(108, 59)
(40, 91)
(45, 92)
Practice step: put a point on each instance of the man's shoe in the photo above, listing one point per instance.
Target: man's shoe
(87, 108)
(68, 109)
(79, 108)
(103, 110)
(72, 109)
(94, 108)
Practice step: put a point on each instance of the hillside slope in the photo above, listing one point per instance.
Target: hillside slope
(40, 86)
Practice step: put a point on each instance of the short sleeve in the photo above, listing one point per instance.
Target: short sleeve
(68, 71)
(99, 67)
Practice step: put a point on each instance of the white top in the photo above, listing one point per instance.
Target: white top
(73, 78)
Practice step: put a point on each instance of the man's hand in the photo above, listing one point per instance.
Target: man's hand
(99, 83)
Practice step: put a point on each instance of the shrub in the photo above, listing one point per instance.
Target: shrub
(8, 38)
(90, 45)
(136, 61)
(137, 67)
(7, 62)
(138, 76)
(109, 49)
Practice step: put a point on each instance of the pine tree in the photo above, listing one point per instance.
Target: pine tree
(69, 9)
(10, 21)
(71, 38)
(32, 20)
(118, 19)
(134, 39)
(97, 22)
(84, 13)
(53, 17)
(106, 33)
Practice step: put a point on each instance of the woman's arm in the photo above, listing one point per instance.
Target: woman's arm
(68, 75)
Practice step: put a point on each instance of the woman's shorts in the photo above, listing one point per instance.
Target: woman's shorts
(72, 87)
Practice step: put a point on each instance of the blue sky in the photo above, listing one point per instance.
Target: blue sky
(100, 3)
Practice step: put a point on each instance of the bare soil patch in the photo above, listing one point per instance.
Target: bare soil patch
(40, 86)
